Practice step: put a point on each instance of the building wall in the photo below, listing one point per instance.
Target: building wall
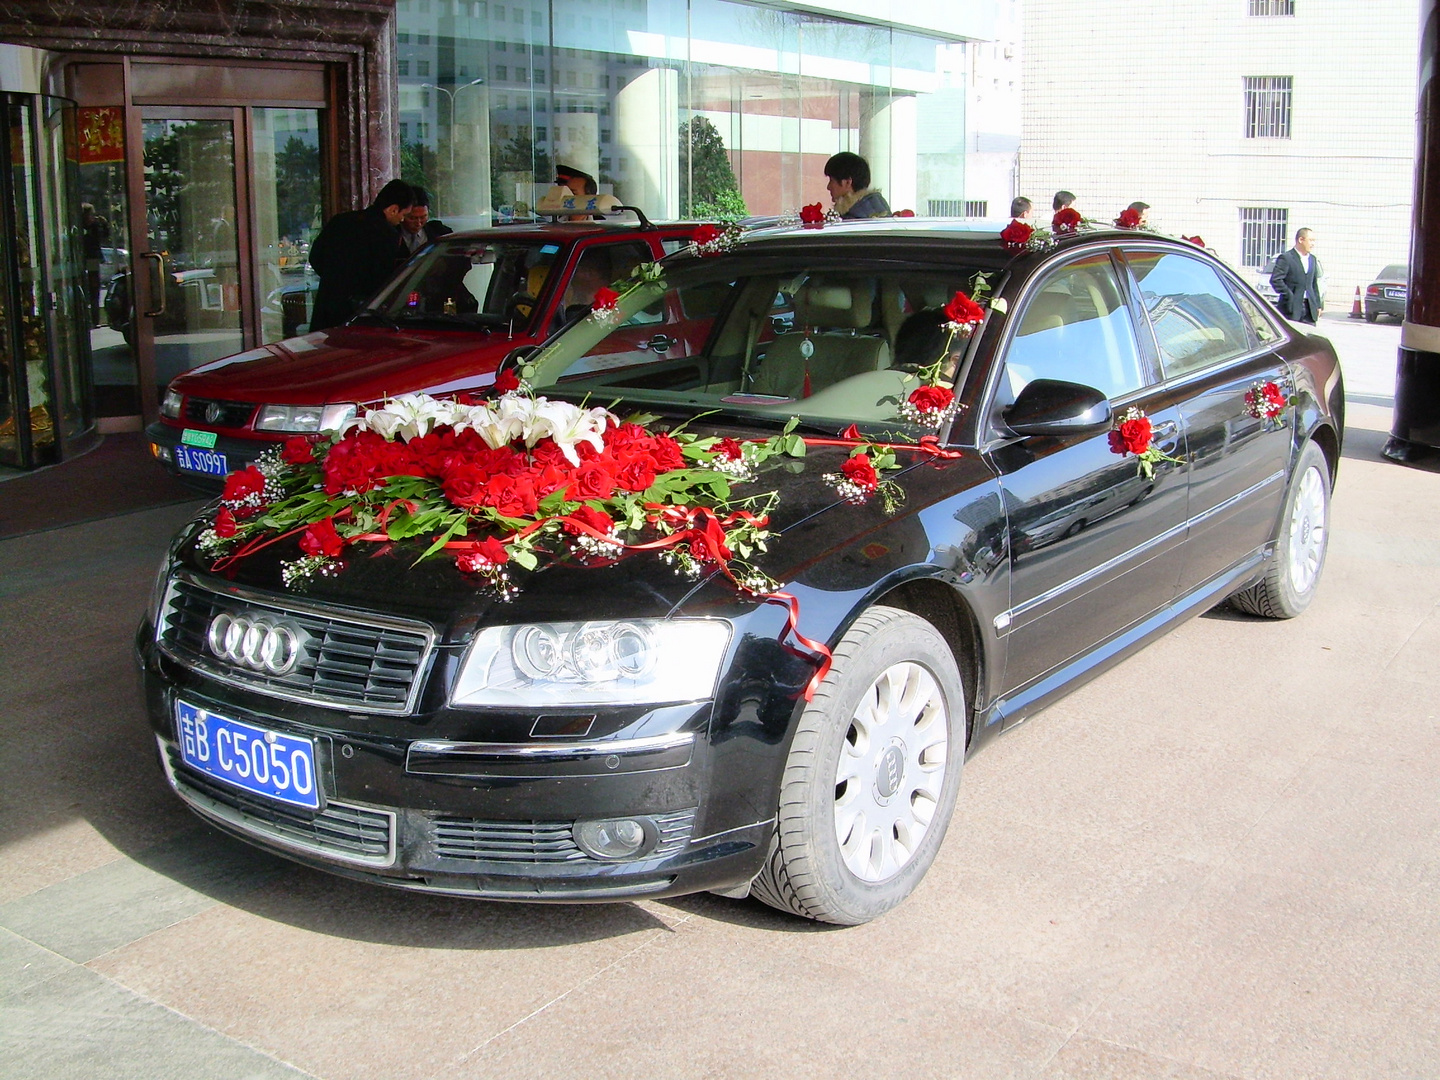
(1122, 104)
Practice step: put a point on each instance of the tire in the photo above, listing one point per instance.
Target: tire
(1300, 544)
(828, 860)
(1371, 316)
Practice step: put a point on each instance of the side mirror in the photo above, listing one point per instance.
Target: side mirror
(1055, 407)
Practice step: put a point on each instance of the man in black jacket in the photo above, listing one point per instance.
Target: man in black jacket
(355, 254)
(417, 228)
(1296, 280)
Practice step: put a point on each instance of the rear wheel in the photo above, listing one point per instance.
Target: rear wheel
(1371, 316)
(872, 776)
(1294, 573)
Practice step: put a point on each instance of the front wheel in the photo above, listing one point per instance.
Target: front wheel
(1294, 573)
(872, 775)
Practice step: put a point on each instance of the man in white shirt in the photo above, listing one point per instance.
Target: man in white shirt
(1296, 280)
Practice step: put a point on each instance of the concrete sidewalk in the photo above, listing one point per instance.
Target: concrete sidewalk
(1221, 859)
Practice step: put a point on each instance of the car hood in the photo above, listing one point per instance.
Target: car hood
(351, 363)
(822, 541)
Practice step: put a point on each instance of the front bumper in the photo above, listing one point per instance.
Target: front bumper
(489, 821)
(165, 438)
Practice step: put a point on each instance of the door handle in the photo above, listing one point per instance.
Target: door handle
(660, 343)
(159, 257)
(1164, 432)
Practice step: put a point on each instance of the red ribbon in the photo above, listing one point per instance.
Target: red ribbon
(928, 446)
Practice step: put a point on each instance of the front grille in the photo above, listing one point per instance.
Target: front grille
(229, 414)
(344, 662)
(347, 833)
(540, 841)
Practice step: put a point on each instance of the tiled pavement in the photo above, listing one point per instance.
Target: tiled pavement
(1221, 859)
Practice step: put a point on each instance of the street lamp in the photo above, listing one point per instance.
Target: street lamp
(452, 95)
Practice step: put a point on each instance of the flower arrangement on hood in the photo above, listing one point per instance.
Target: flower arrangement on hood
(493, 484)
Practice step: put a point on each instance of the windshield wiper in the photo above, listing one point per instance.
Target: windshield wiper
(378, 316)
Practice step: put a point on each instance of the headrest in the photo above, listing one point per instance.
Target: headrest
(561, 200)
(823, 302)
(1047, 312)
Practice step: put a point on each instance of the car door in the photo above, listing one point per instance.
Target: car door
(1095, 545)
(1214, 345)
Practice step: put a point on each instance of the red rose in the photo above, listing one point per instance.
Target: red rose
(903, 213)
(242, 484)
(1274, 397)
(1131, 437)
(812, 214)
(225, 523)
(637, 474)
(506, 381)
(482, 555)
(860, 472)
(547, 452)
(598, 520)
(707, 539)
(511, 496)
(1129, 218)
(321, 538)
(708, 234)
(666, 453)
(963, 311)
(605, 299)
(1196, 240)
(298, 450)
(627, 437)
(592, 480)
(931, 398)
(464, 484)
(358, 462)
(1066, 220)
(1016, 235)
(728, 450)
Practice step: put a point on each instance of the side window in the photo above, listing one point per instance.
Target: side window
(1076, 328)
(599, 267)
(1261, 328)
(1195, 319)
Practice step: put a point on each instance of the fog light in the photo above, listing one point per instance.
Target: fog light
(617, 838)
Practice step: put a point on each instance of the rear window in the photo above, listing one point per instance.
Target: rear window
(1394, 272)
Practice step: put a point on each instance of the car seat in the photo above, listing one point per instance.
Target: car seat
(833, 315)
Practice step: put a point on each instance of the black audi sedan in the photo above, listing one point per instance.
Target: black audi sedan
(660, 617)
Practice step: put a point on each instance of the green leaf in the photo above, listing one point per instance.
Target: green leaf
(795, 445)
(457, 528)
(524, 556)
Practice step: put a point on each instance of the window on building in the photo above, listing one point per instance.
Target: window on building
(402, 68)
(542, 133)
(1263, 230)
(1272, 7)
(977, 208)
(422, 68)
(1267, 106)
(404, 39)
(604, 134)
(946, 208)
(422, 131)
(540, 75)
(502, 73)
(422, 39)
(404, 132)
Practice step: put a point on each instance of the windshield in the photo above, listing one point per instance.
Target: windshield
(836, 343)
(470, 282)
(1395, 272)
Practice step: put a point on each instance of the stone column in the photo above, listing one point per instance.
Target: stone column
(468, 200)
(1415, 431)
(889, 141)
(647, 135)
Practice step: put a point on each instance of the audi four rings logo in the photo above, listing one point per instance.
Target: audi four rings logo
(262, 643)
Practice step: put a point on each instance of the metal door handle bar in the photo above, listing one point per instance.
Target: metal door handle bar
(159, 257)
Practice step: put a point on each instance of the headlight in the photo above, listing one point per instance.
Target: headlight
(629, 662)
(170, 407)
(303, 419)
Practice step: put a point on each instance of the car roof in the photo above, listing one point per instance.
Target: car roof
(565, 231)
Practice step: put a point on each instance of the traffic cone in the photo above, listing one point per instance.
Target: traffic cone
(1356, 311)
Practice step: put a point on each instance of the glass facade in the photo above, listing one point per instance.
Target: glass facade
(685, 108)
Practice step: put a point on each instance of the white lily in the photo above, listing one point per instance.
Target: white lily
(409, 416)
(569, 424)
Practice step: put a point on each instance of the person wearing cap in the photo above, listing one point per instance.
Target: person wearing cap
(571, 183)
(579, 183)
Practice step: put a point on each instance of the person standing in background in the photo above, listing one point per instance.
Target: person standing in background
(417, 228)
(1021, 209)
(355, 254)
(1296, 280)
(848, 182)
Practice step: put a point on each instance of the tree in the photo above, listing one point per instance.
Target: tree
(516, 162)
(708, 187)
(417, 164)
(297, 189)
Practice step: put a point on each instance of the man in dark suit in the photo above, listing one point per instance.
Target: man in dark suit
(355, 254)
(1296, 280)
(417, 228)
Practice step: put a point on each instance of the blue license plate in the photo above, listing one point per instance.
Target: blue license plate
(193, 459)
(262, 762)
